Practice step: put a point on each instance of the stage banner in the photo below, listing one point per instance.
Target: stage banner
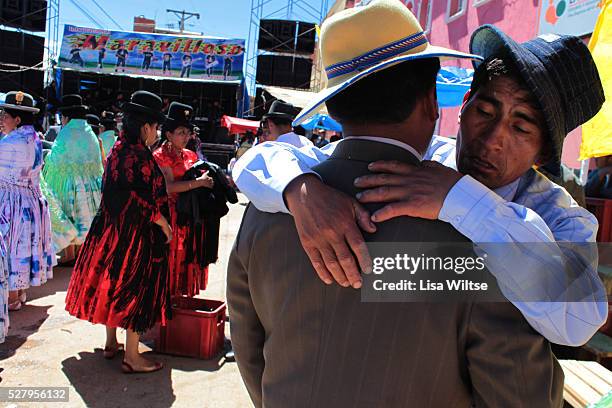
(150, 54)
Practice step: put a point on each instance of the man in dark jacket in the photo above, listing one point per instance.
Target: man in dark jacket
(301, 343)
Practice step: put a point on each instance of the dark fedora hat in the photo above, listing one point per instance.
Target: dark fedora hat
(179, 114)
(107, 119)
(145, 103)
(560, 73)
(19, 101)
(93, 120)
(281, 110)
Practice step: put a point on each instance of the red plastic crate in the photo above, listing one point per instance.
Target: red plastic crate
(197, 329)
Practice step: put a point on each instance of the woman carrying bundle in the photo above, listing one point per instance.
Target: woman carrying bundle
(121, 275)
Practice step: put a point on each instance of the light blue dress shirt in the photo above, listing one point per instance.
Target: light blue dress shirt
(540, 225)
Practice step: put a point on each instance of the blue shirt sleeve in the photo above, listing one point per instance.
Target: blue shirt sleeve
(265, 170)
(541, 268)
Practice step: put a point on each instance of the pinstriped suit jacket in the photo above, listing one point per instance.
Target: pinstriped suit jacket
(300, 343)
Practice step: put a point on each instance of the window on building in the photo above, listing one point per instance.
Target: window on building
(424, 15)
(411, 5)
(478, 3)
(455, 9)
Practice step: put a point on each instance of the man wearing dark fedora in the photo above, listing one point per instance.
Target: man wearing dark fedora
(495, 196)
(301, 343)
(73, 169)
(276, 125)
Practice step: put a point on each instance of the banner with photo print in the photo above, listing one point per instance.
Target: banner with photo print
(151, 54)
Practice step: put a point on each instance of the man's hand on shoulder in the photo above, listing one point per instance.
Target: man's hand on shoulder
(327, 223)
(414, 191)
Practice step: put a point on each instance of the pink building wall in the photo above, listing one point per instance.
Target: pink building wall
(517, 18)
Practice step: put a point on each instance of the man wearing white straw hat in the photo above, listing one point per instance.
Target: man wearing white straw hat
(301, 343)
(521, 106)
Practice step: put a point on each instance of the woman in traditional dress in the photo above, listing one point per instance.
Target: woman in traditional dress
(24, 214)
(63, 232)
(73, 170)
(121, 275)
(187, 277)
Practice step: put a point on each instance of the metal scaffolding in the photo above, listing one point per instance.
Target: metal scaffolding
(13, 73)
(52, 39)
(313, 11)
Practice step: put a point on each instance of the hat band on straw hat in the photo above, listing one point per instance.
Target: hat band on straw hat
(373, 57)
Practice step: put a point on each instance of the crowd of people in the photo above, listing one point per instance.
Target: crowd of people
(114, 185)
(111, 194)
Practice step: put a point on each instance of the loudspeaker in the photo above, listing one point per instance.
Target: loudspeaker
(20, 48)
(276, 35)
(27, 81)
(29, 15)
(280, 36)
(284, 71)
(306, 38)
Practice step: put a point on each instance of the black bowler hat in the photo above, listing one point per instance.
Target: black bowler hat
(72, 103)
(93, 120)
(560, 73)
(19, 101)
(179, 114)
(108, 120)
(145, 103)
(281, 110)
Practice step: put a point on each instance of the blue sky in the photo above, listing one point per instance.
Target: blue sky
(222, 18)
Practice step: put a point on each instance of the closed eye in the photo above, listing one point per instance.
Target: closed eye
(484, 112)
(520, 129)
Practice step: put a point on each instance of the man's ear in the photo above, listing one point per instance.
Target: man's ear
(466, 99)
(18, 121)
(430, 104)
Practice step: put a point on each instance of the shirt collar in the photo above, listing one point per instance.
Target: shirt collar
(286, 137)
(387, 140)
(508, 191)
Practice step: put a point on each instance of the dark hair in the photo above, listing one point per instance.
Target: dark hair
(280, 121)
(108, 126)
(74, 114)
(502, 65)
(132, 122)
(171, 127)
(299, 130)
(388, 96)
(166, 128)
(27, 118)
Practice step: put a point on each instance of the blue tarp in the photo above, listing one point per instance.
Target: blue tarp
(452, 84)
(320, 121)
